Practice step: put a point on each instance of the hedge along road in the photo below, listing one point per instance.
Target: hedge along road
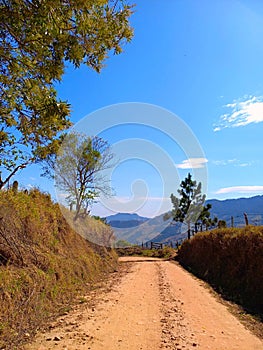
(149, 304)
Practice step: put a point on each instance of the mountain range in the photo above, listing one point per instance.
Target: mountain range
(236, 208)
(125, 220)
(137, 229)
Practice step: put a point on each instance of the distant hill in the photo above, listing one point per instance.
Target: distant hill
(126, 217)
(125, 223)
(125, 220)
(252, 206)
(144, 232)
(136, 229)
(147, 231)
(175, 232)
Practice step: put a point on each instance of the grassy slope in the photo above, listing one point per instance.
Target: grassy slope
(44, 264)
(231, 260)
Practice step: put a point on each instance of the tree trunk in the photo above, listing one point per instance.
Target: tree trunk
(189, 231)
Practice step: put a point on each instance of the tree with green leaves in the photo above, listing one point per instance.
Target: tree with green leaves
(222, 224)
(37, 40)
(205, 219)
(188, 207)
(78, 170)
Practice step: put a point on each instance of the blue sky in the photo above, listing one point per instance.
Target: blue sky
(201, 60)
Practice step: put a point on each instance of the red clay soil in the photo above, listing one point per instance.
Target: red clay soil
(154, 305)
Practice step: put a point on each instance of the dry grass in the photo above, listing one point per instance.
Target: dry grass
(164, 253)
(231, 260)
(92, 230)
(44, 264)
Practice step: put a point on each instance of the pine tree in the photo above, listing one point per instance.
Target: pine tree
(188, 207)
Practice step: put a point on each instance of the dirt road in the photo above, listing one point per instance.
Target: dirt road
(154, 305)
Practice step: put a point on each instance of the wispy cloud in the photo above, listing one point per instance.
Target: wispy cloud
(233, 162)
(243, 112)
(240, 189)
(192, 163)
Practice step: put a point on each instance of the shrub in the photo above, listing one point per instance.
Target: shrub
(231, 260)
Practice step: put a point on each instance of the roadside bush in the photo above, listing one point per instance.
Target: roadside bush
(44, 264)
(231, 260)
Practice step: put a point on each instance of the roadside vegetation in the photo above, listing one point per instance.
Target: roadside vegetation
(165, 252)
(231, 260)
(44, 264)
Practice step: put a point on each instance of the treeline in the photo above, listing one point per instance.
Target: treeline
(44, 264)
(231, 260)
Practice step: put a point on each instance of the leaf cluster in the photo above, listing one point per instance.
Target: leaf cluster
(37, 39)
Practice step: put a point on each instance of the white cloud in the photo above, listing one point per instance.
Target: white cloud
(249, 111)
(192, 163)
(233, 162)
(240, 189)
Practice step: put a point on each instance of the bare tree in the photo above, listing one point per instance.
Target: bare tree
(79, 170)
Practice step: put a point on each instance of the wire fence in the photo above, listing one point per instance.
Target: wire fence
(239, 221)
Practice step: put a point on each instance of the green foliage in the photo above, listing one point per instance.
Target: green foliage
(96, 217)
(222, 224)
(205, 219)
(37, 40)
(121, 243)
(231, 260)
(78, 170)
(44, 264)
(188, 208)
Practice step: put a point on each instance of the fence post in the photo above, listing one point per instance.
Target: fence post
(189, 231)
(232, 221)
(246, 219)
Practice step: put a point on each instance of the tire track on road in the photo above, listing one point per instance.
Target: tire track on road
(176, 332)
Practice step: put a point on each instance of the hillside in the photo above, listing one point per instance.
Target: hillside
(148, 231)
(44, 264)
(224, 209)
